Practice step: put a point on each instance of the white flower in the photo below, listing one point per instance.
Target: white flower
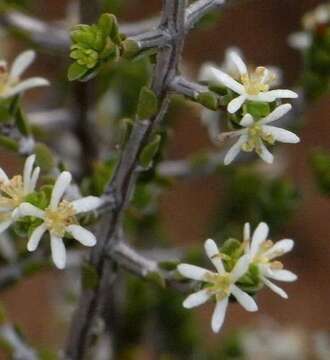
(219, 285)
(13, 191)
(59, 218)
(254, 133)
(262, 252)
(10, 83)
(253, 86)
(312, 20)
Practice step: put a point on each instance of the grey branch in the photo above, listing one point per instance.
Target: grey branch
(190, 89)
(93, 301)
(19, 348)
(49, 37)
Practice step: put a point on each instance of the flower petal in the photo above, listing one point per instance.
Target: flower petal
(259, 236)
(27, 209)
(300, 40)
(205, 72)
(196, 299)
(21, 63)
(193, 272)
(227, 81)
(36, 237)
(246, 231)
(244, 299)
(4, 225)
(283, 94)
(26, 85)
(281, 275)
(28, 167)
(237, 60)
(280, 248)
(247, 120)
(84, 236)
(219, 313)
(3, 176)
(213, 254)
(281, 135)
(61, 184)
(276, 114)
(234, 150)
(58, 251)
(240, 268)
(236, 104)
(265, 154)
(275, 288)
(34, 178)
(86, 204)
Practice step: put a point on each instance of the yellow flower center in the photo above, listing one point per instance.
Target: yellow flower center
(6, 81)
(257, 81)
(58, 219)
(261, 259)
(255, 134)
(219, 285)
(12, 192)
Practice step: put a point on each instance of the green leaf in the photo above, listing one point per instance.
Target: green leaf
(209, 100)
(45, 158)
(168, 265)
(8, 143)
(22, 122)
(76, 71)
(106, 23)
(149, 151)
(148, 103)
(157, 278)
(257, 109)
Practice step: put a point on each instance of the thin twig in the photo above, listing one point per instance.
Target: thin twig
(20, 350)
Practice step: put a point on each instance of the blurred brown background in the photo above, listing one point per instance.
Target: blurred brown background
(260, 28)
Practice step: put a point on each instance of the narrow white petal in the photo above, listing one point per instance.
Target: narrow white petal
(34, 179)
(213, 254)
(61, 184)
(281, 275)
(5, 225)
(86, 204)
(276, 113)
(84, 236)
(28, 167)
(36, 237)
(3, 176)
(247, 120)
(237, 60)
(244, 299)
(196, 299)
(275, 288)
(283, 94)
(234, 150)
(300, 40)
(240, 268)
(236, 104)
(192, 272)
(21, 63)
(27, 209)
(259, 236)
(246, 232)
(205, 72)
(265, 154)
(227, 81)
(26, 85)
(219, 314)
(58, 251)
(280, 248)
(281, 135)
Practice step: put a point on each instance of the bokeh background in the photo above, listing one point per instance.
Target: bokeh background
(260, 28)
